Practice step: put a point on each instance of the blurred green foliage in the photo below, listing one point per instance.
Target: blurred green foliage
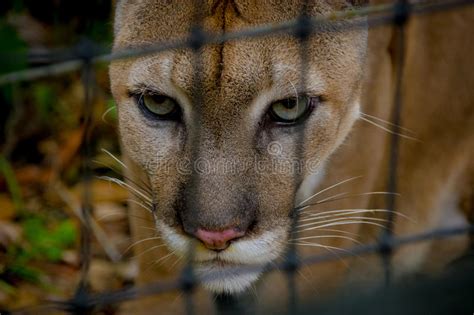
(43, 241)
(47, 242)
(44, 96)
(36, 115)
(112, 114)
(7, 172)
(13, 49)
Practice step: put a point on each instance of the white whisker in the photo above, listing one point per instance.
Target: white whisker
(141, 218)
(147, 228)
(125, 185)
(178, 259)
(115, 158)
(161, 260)
(113, 168)
(334, 213)
(346, 196)
(330, 198)
(346, 222)
(105, 114)
(325, 236)
(147, 250)
(146, 187)
(339, 231)
(141, 241)
(388, 130)
(340, 219)
(387, 122)
(118, 213)
(140, 204)
(331, 249)
(150, 249)
(328, 188)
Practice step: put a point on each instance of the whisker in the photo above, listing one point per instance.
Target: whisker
(135, 191)
(387, 122)
(339, 231)
(302, 275)
(113, 168)
(178, 259)
(347, 222)
(335, 197)
(326, 236)
(141, 218)
(140, 204)
(118, 172)
(146, 187)
(105, 114)
(125, 167)
(320, 245)
(340, 219)
(388, 130)
(141, 241)
(333, 213)
(326, 189)
(115, 158)
(147, 250)
(339, 212)
(148, 228)
(180, 295)
(125, 185)
(101, 218)
(331, 249)
(329, 198)
(161, 260)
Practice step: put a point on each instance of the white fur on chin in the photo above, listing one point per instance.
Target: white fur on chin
(233, 270)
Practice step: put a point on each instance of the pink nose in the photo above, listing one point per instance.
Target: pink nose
(218, 240)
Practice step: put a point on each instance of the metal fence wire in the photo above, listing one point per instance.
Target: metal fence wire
(87, 55)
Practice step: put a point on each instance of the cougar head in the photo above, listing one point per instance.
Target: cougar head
(231, 136)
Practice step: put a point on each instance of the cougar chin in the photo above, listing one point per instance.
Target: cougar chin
(230, 271)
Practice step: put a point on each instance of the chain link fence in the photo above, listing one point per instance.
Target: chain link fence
(394, 301)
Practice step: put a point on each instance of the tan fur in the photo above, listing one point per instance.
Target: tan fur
(240, 78)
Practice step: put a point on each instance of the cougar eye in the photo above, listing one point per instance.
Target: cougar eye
(159, 106)
(292, 110)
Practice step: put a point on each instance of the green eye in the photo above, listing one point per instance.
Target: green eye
(291, 110)
(159, 106)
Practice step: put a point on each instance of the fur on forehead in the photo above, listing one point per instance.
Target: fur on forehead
(167, 19)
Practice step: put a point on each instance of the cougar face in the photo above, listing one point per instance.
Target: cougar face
(231, 138)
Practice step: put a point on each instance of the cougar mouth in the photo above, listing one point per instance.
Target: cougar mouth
(231, 270)
(218, 262)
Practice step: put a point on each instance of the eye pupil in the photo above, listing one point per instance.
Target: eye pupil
(293, 110)
(159, 99)
(290, 103)
(157, 106)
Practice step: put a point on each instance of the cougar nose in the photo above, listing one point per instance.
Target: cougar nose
(218, 240)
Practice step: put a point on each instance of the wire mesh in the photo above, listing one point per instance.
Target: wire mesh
(400, 19)
(88, 55)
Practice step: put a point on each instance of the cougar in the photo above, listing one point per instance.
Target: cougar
(239, 151)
